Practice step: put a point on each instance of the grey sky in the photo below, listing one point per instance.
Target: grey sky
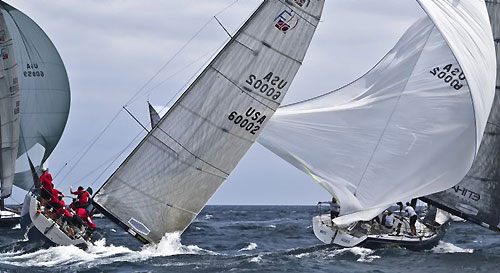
(112, 48)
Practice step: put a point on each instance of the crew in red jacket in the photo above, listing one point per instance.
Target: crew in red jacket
(83, 197)
(54, 199)
(47, 186)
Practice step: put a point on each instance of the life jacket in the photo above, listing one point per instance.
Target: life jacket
(46, 181)
(85, 217)
(54, 198)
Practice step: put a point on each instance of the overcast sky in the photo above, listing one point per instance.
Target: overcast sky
(113, 48)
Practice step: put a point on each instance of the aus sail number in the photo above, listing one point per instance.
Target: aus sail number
(454, 76)
(250, 121)
(33, 73)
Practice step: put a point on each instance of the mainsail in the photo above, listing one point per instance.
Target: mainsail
(409, 127)
(178, 166)
(477, 196)
(43, 90)
(9, 109)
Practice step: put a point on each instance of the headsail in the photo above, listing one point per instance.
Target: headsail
(9, 108)
(44, 89)
(153, 115)
(477, 196)
(174, 171)
(409, 127)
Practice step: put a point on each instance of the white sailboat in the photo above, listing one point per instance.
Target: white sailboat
(34, 102)
(409, 127)
(193, 148)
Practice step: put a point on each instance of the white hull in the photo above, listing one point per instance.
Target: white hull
(367, 234)
(43, 230)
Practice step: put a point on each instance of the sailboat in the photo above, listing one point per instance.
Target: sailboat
(409, 127)
(34, 102)
(172, 173)
(477, 196)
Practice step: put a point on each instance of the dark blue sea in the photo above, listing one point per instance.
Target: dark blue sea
(250, 239)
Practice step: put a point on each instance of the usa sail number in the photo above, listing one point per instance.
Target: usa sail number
(449, 74)
(270, 85)
(251, 120)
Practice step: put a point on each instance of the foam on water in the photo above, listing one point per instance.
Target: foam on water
(99, 253)
(444, 247)
(250, 247)
(18, 226)
(170, 244)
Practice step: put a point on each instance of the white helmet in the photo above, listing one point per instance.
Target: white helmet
(44, 169)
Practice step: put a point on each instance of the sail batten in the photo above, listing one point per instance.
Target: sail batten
(213, 123)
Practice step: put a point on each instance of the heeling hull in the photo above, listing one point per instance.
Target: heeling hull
(344, 238)
(415, 245)
(43, 232)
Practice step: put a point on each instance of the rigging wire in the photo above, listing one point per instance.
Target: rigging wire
(141, 89)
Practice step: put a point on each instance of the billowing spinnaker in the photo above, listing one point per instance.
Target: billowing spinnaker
(9, 109)
(477, 196)
(174, 171)
(44, 89)
(407, 128)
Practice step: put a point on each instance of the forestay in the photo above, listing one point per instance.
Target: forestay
(409, 127)
(9, 109)
(477, 197)
(43, 87)
(175, 170)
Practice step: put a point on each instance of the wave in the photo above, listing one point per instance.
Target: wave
(365, 254)
(444, 247)
(99, 253)
(250, 247)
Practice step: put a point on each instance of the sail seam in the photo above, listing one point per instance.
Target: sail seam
(187, 150)
(245, 91)
(392, 113)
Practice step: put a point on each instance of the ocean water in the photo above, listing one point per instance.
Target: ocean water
(250, 239)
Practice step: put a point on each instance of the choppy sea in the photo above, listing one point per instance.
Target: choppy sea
(250, 239)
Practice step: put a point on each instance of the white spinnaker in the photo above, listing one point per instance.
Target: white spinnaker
(407, 128)
(9, 109)
(44, 89)
(175, 170)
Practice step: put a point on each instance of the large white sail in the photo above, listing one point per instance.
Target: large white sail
(409, 127)
(43, 86)
(180, 164)
(477, 197)
(9, 109)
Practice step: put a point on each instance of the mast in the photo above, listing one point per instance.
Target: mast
(477, 196)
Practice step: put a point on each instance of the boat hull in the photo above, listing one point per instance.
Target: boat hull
(42, 231)
(345, 237)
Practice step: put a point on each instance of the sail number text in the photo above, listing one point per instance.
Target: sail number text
(451, 75)
(467, 193)
(32, 71)
(269, 86)
(250, 121)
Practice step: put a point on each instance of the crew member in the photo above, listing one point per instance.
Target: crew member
(389, 220)
(83, 197)
(334, 209)
(83, 215)
(47, 186)
(55, 198)
(410, 211)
